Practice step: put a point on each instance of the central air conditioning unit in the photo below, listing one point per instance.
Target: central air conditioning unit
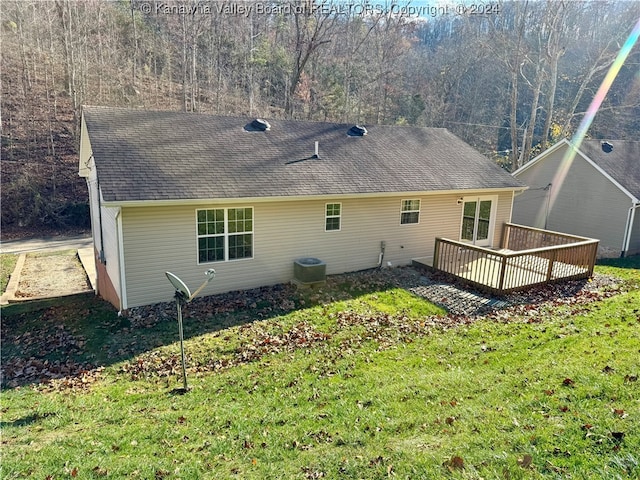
(309, 271)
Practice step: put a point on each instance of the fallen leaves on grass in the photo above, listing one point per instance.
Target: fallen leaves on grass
(454, 463)
(312, 473)
(100, 472)
(51, 338)
(153, 364)
(526, 461)
(260, 302)
(55, 339)
(262, 342)
(617, 436)
(301, 335)
(51, 375)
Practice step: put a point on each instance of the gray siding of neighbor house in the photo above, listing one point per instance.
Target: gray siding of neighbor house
(588, 203)
(160, 239)
(634, 244)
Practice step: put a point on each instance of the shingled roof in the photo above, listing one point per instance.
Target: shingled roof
(622, 163)
(143, 155)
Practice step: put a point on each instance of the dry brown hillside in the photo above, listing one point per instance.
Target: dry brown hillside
(41, 191)
(509, 83)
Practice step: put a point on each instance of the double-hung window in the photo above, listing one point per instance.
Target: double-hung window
(333, 213)
(224, 234)
(410, 211)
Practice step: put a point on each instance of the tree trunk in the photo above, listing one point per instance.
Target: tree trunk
(135, 46)
(533, 114)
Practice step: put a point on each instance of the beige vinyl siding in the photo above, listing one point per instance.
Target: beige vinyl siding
(111, 251)
(85, 151)
(159, 239)
(588, 203)
(503, 215)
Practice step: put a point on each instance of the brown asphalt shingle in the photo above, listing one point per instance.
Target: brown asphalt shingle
(622, 163)
(163, 155)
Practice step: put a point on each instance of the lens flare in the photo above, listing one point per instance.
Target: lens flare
(576, 141)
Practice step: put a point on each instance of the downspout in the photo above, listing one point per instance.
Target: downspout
(628, 229)
(383, 245)
(123, 280)
(546, 211)
(101, 252)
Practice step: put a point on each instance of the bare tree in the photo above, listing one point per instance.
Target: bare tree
(311, 29)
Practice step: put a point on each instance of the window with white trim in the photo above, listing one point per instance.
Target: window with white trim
(410, 211)
(333, 214)
(224, 234)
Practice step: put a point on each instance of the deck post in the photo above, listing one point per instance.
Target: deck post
(552, 260)
(436, 254)
(506, 229)
(594, 255)
(503, 271)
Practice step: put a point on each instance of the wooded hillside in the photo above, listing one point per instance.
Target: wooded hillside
(510, 79)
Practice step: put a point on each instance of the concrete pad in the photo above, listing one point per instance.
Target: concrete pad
(85, 255)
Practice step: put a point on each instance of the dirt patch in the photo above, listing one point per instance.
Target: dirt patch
(52, 275)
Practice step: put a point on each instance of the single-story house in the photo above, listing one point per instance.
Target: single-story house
(597, 195)
(185, 192)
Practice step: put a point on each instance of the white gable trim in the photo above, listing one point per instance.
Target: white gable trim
(565, 142)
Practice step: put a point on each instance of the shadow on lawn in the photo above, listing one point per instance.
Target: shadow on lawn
(632, 262)
(71, 336)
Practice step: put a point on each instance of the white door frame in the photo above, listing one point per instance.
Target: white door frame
(492, 219)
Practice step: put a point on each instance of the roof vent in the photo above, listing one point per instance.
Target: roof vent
(258, 125)
(607, 147)
(357, 131)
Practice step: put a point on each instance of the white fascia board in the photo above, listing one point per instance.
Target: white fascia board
(200, 201)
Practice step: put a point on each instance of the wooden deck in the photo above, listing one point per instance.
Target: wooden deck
(551, 257)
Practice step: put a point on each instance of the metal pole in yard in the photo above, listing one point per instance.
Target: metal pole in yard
(179, 300)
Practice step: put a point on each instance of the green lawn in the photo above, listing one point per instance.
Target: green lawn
(375, 384)
(7, 264)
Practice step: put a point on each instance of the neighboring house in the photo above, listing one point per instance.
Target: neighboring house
(596, 196)
(184, 192)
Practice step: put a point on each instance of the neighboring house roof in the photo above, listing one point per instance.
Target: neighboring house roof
(622, 163)
(619, 162)
(145, 155)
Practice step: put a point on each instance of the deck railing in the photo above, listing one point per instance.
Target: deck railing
(528, 257)
(519, 237)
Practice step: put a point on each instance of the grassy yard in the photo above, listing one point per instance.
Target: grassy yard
(359, 382)
(7, 264)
